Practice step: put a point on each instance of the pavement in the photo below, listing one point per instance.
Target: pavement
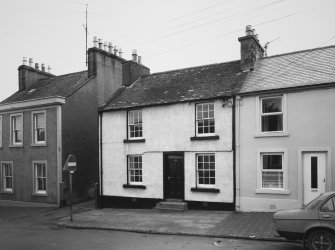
(219, 224)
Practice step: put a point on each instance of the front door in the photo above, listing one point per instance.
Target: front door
(174, 176)
(314, 167)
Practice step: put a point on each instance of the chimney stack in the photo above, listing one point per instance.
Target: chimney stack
(139, 60)
(134, 55)
(110, 47)
(100, 43)
(31, 62)
(105, 46)
(24, 61)
(115, 50)
(251, 49)
(120, 52)
(43, 67)
(95, 42)
(37, 66)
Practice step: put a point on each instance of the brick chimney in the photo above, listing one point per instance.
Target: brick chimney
(251, 49)
(28, 75)
(132, 70)
(111, 71)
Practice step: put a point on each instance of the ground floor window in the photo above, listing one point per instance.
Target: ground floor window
(135, 169)
(40, 177)
(272, 170)
(205, 170)
(7, 176)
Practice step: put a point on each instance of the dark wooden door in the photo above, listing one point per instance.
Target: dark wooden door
(174, 176)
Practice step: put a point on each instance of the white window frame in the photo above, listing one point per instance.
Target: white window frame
(130, 114)
(33, 125)
(272, 151)
(131, 167)
(3, 177)
(197, 105)
(259, 115)
(204, 170)
(0, 131)
(12, 136)
(35, 178)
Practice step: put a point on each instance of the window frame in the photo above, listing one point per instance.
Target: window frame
(197, 134)
(129, 169)
(0, 131)
(272, 151)
(260, 114)
(33, 126)
(36, 191)
(129, 131)
(12, 136)
(2, 175)
(198, 185)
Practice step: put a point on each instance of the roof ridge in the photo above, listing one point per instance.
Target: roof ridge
(193, 67)
(299, 51)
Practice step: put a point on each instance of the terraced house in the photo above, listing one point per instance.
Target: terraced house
(51, 117)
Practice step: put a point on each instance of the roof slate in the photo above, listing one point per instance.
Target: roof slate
(196, 83)
(302, 68)
(57, 86)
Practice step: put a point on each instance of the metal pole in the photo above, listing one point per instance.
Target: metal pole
(71, 219)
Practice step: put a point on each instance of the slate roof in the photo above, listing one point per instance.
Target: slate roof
(196, 83)
(302, 68)
(57, 86)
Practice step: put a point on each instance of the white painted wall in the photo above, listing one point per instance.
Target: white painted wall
(166, 128)
(311, 125)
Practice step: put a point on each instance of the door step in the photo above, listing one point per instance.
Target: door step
(171, 206)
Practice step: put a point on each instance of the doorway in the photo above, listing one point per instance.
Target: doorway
(174, 175)
(314, 169)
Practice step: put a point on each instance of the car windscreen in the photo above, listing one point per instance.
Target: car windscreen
(314, 203)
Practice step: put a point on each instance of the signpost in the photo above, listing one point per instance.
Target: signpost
(71, 166)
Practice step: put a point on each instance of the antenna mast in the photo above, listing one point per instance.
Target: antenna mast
(86, 36)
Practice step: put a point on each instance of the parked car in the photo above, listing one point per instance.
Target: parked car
(314, 223)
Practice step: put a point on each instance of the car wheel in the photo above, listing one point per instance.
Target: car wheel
(321, 240)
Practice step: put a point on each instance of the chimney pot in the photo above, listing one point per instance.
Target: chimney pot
(248, 30)
(24, 62)
(120, 52)
(37, 66)
(115, 50)
(95, 42)
(31, 62)
(100, 43)
(139, 59)
(43, 67)
(110, 47)
(134, 55)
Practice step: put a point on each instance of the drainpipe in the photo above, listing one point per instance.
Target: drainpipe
(237, 153)
(234, 152)
(100, 198)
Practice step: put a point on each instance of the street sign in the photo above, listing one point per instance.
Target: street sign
(70, 164)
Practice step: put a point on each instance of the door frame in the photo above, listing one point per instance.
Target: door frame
(165, 166)
(301, 153)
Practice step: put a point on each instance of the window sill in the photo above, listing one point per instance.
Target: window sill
(6, 192)
(202, 138)
(39, 145)
(133, 140)
(134, 186)
(37, 194)
(272, 191)
(206, 190)
(272, 134)
(16, 146)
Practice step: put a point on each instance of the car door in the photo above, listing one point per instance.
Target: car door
(327, 213)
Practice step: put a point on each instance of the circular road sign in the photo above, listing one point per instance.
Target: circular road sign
(70, 164)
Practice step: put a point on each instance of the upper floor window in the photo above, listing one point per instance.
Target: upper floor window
(272, 114)
(135, 129)
(135, 169)
(205, 170)
(7, 176)
(205, 121)
(39, 127)
(16, 125)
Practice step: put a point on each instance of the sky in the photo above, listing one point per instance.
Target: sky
(168, 34)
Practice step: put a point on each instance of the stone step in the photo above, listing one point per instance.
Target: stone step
(173, 206)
